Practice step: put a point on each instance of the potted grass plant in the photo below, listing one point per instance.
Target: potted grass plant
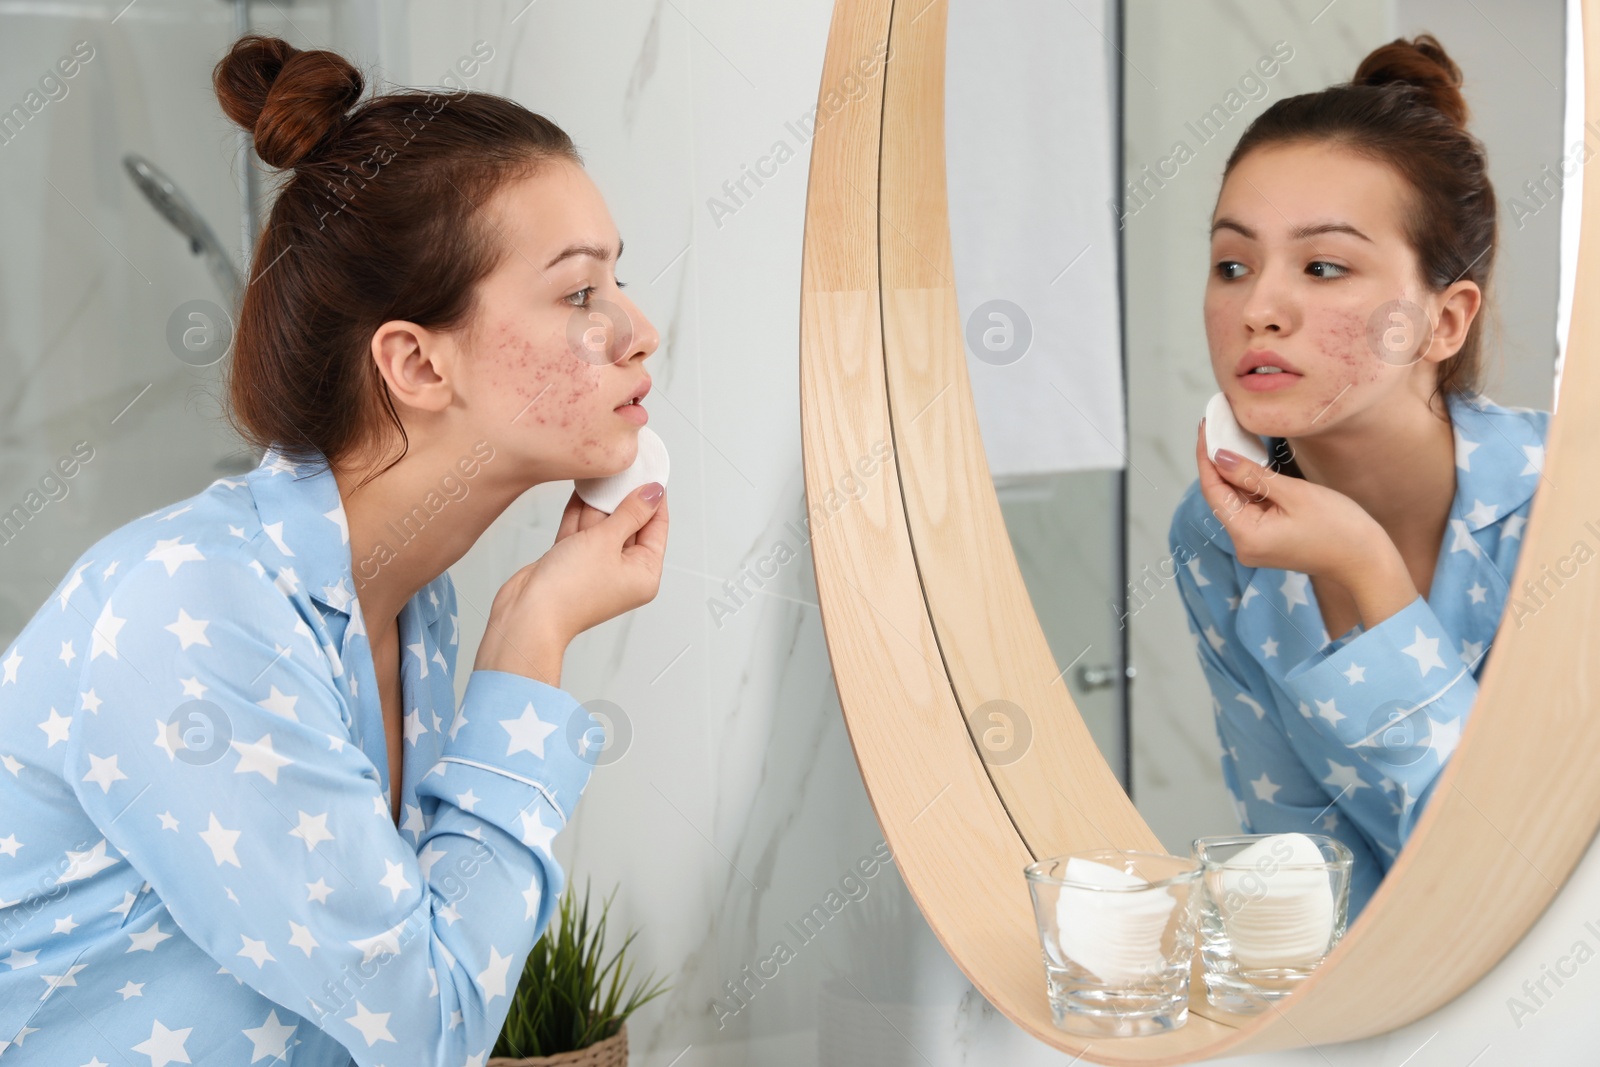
(569, 1008)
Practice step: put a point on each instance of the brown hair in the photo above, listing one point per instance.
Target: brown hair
(1404, 107)
(379, 220)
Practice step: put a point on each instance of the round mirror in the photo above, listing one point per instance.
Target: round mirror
(1036, 345)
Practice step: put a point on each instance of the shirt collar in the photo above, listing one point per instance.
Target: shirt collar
(1499, 458)
(301, 511)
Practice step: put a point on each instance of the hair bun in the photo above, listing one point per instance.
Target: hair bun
(290, 100)
(1421, 62)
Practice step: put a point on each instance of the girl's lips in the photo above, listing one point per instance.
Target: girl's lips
(634, 413)
(1264, 383)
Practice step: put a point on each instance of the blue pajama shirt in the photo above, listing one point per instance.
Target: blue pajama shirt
(198, 860)
(1347, 737)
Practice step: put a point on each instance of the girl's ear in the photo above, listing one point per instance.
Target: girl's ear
(1459, 305)
(414, 363)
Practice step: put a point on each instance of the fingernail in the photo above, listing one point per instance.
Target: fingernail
(1226, 460)
(652, 492)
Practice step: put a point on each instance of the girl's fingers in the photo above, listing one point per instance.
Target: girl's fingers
(569, 516)
(652, 536)
(1224, 499)
(589, 516)
(1248, 476)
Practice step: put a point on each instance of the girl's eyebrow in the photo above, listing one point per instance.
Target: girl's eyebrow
(602, 254)
(1299, 233)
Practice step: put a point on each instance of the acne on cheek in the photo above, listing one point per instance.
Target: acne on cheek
(1342, 336)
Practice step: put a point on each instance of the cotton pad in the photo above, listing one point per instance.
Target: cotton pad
(1276, 916)
(1224, 431)
(1116, 935)
(650, 465)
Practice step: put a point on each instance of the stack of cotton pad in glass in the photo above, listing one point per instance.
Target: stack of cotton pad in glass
(1112, 932)
(649, 465)
(1279, 919)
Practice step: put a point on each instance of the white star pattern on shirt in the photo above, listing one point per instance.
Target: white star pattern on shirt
(221, 842)
(1535, 455)
(56, 727)
(258, 757)
(1482, 514)
(1443, 737)
(1464, 541)
(255, 951)
(81, 865)
(1264, 787)
(394, 880)
(492, 979)
(280, 704)
(1344, 777)
(106, 629)
(1355, 672)
(104, 771)
(71, 586)
(1477, 593)
(374, 1026)
(52, 982)
(528, 732)
(300, 937)
(312, 829)
(1326, 710)
(534, 831)
(147, 939)
(270, 1039)
(1464, 450)
(1425, 650)
(172, 553)
(165, 1046)
(1269, 648)
(190, 631)
(1294, 589)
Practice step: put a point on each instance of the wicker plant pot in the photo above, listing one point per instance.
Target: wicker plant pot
(612, 1052)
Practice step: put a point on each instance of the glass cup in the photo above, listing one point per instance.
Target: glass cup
(1117, 929)
(1272, 906)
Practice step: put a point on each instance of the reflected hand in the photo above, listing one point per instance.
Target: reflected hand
(1289, 523)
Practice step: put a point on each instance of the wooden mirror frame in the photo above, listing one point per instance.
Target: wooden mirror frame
(926, 615)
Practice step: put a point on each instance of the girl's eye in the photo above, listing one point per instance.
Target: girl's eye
(586, 292)
(1229, 269)
(1323, 269)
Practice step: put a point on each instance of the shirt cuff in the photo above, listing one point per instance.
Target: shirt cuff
(526, 730)
(1406, 661)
